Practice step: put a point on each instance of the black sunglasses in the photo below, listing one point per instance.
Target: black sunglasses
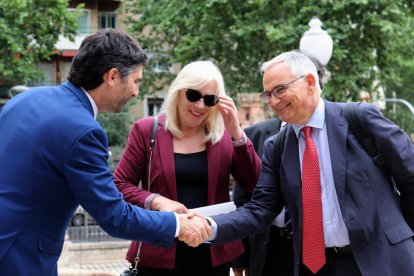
(195, 95)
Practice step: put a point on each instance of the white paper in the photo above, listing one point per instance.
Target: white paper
(216, 209)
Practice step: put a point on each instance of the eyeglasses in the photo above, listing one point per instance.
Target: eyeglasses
(195, 95)
(279, 91)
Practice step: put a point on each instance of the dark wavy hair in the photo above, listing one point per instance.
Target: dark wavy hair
(101, 52)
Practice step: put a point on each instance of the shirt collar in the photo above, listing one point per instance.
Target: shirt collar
(94, 106)
(316, 121)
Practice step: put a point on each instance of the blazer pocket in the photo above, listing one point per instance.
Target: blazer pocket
(398, 233)
(50, 246)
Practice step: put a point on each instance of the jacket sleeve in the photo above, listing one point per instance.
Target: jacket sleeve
(398, 151)
(132, 168)
(255, 215)
(245, 166)
(91, 181)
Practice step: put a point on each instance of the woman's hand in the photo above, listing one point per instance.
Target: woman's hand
(230, 113)
(161, 203)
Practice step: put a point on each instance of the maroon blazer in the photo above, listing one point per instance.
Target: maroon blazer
(222, 158)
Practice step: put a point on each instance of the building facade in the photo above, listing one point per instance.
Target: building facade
(95, 15)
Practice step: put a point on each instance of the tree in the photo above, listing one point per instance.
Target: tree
(29, 30)
(116, 126)
(373, 40)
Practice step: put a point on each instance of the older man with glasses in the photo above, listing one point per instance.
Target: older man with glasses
(346, 218)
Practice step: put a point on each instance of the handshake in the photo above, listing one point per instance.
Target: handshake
(194, 227)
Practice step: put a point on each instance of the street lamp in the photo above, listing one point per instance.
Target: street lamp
(317, 42)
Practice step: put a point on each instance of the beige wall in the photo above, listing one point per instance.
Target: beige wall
(251, 109)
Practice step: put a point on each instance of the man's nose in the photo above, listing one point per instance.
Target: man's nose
(273, 100)
(136, 92)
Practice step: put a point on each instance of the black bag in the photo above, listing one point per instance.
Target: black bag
(129, 272)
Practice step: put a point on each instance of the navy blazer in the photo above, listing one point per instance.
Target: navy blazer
(53, 157)
(258, 243)
(380, 229)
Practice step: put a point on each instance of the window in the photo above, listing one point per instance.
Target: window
(107, 20)
(83, 19)
(154, 106)
(49, 70)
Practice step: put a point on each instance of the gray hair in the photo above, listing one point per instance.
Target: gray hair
(298, 63)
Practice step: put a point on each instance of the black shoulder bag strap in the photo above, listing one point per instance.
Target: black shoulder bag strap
(154, 132)
(358, 127)
(360, 131)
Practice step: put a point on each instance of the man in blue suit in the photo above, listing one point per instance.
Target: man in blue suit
(362, 228)
(53, 157)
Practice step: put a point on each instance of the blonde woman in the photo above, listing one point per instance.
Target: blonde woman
(199, 144)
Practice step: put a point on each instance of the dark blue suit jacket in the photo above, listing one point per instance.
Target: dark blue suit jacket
(257, 246)
(53, 157)
(380, 229)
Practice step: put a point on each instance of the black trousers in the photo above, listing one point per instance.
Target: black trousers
(336, 265)
(189, 261)
(279, 257)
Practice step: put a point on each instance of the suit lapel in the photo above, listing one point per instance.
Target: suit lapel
(213, 167)
(337, 128)
(166, 156)
(291, 164)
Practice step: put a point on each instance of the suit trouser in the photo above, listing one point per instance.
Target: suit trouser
(279, 256)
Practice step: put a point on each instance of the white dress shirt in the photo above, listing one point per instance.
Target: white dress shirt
(94, 106)
(335, 232)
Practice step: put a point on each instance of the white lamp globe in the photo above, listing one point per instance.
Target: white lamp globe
(317, 42)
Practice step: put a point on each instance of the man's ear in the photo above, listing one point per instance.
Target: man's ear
(310, 80)
(111, 76)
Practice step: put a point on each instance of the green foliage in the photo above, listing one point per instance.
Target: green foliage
(373, 40)
(29, 30)
(115, 156)
(116, 126)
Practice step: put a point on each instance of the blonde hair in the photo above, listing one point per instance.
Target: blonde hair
(195, 75)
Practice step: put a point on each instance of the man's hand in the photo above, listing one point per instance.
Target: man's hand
(194, 229)
(161, 203)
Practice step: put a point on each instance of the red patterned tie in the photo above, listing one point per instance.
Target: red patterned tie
(313, 241)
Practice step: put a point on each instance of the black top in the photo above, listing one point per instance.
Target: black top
(191, 177)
